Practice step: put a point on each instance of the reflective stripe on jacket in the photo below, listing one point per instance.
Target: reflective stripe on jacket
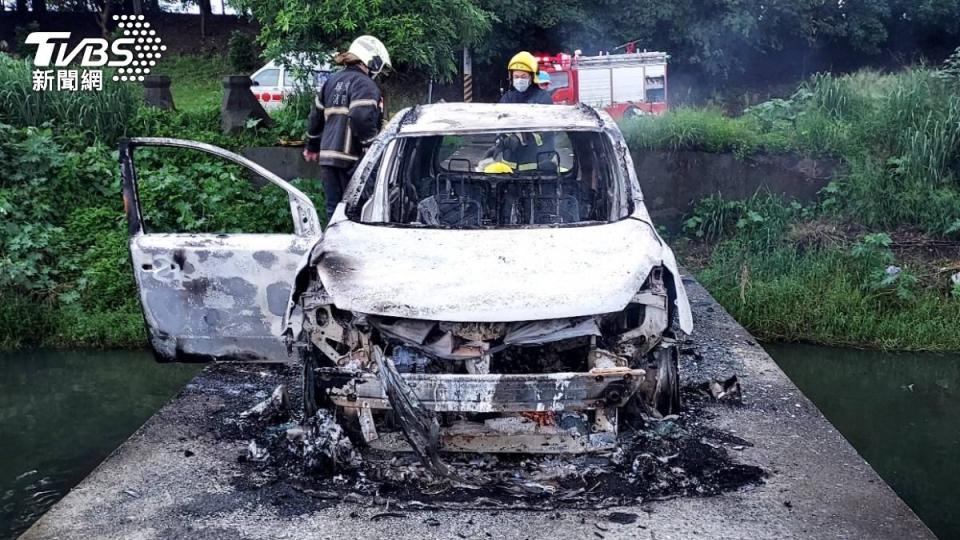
(345, 118)
(532, 145)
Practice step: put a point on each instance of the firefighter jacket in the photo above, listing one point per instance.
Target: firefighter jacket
(345, 118)
(534, 94)
(524, 150)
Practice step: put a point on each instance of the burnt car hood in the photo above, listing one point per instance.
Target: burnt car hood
(485, 275)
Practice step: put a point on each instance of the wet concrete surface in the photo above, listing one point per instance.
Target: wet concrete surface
(183, 473)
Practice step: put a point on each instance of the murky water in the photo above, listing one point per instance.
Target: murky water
(900, 411)
(62, 413)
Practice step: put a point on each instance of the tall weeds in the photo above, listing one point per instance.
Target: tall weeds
(100, 115)
(898, 134)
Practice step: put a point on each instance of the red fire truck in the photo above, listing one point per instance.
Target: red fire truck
(624, 85)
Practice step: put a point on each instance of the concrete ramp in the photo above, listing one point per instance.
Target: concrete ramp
(179, 477)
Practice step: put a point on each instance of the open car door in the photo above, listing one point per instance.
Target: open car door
(215, 296)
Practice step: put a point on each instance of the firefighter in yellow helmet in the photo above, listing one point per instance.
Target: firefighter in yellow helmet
(522, 151)
(524, 83)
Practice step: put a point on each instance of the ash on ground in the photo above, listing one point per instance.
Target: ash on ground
(656, 459)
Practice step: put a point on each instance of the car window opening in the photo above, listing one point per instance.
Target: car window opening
(558, 80)
(269, 77)
(502, 180)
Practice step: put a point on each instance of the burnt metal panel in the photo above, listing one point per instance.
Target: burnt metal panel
(209, 297)
(216, 296)
(488, 275)
(490, 393)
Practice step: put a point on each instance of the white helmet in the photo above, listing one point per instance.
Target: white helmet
(371, 52)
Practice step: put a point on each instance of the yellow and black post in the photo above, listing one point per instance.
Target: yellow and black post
(467, 76)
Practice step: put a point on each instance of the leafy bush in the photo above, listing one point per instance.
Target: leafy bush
(291, 119)
(45, 172)
(242, 53)
(759, 221)
(97, 254)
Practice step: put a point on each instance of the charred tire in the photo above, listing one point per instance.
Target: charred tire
(659, 393)
(311, 403)
(666, 389)
(350, 422)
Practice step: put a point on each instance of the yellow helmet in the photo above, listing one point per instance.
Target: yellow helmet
(524, 61)
(498, 167)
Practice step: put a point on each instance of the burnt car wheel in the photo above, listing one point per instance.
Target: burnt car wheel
(310, 401)
(666, 392)
(660, 392)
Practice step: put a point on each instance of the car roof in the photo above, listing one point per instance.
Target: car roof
(450, 118)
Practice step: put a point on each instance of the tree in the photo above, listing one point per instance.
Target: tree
(427, 35)
(723, 39)
(713, 41)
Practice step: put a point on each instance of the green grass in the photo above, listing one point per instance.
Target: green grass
(707, 130)
(793, 273)
(819, 297)
(897, 134)
(196, 82)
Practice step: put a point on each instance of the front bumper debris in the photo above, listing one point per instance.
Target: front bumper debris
(506, 396)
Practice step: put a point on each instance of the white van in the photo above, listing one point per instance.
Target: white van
(274, 81)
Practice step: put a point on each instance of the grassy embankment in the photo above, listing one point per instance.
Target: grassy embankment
(786, 272)
(65, 278)
(870, 263)
(196, 81)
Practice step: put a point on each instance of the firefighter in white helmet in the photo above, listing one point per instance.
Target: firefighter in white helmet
(346, 116)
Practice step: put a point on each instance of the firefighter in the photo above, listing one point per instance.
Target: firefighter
(544, 79)
(523, 81)
(522, 151)
(346, 116)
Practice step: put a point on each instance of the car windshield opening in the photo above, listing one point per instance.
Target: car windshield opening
(503, 180)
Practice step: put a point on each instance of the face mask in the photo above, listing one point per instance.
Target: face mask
(521, 84)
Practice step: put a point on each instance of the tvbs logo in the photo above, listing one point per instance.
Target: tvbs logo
(133, 53)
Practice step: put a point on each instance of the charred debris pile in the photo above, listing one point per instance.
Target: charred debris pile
(655, 458)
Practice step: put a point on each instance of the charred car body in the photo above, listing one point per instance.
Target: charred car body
(522, 310)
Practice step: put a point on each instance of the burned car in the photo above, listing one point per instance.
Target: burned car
(519, 307)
